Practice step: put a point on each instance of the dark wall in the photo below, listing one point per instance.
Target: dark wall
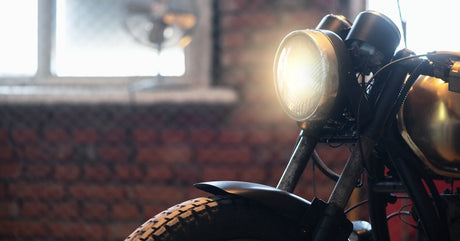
(95, 172)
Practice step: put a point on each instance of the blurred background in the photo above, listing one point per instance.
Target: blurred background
(110, 110)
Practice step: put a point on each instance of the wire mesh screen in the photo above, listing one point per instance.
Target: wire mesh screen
(96, 171)
(85, 172)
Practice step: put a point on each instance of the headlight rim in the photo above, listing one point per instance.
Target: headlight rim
(331, 48)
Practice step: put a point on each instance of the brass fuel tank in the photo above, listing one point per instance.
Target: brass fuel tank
(429, 122)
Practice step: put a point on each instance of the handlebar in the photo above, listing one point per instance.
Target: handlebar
(446, 66)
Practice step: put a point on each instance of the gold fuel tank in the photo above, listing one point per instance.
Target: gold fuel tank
(429, 122)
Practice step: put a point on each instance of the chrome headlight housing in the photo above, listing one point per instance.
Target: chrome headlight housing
(308, 67)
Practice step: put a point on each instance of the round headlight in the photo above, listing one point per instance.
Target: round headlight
(307, 73)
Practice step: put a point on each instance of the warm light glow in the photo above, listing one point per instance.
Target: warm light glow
(442, 112)
(300, 76)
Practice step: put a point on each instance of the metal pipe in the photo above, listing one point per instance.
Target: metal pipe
(351, 173)
(297, 163)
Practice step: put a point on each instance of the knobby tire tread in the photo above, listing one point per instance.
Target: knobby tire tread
(190, 219)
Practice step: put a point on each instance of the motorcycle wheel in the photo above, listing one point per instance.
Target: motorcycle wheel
(228, 218)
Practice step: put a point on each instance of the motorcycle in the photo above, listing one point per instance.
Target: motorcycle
(343, 83)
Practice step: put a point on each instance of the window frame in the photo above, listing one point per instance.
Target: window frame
(197, 74)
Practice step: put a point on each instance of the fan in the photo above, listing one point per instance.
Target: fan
(161, 23)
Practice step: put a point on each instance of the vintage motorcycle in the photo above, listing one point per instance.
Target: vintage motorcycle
(342, 83)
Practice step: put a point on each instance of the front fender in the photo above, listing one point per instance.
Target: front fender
(282, 201)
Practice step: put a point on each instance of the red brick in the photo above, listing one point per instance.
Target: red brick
(97, 172)
(41, 190)
(260, 94)
(256, 57)
(4, 135)
(67, 172)
(145, 135)
(251, 115)
(150, 210)
(3, 191)
(74, 230)
(264, 154)
(113, 135)
(228, 59)
(260, 136)
(119, 231)
(231, 136)
(220, 173)
(65, 210)
(158, 173)
(117, 153)
(25, 135)
(241, 5)
(250, 21)
(159, 193)
(333, 156)
(60, 152)
(202, 135)
(287, 134)
(233, 77)
(56, 135)
(234, 40)
(128, 172)
(9, 209)
(173, 136)
(38, 171)
(15, 228)
(85, 136)
(33, 152)
(267, 37)
(308, 19)
(256, 174)
(95, 211)
(282, 153)
(275, 174)
(125, 211)
(164, 154)
(226, 155)
(193, 193)
(6, 153)
(323, 190)
(97, 192)
(12, 170)
(190, 173)
(34, 209)
(233, 5)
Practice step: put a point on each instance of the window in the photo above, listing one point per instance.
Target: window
(18, 48)
(84, 49)
(430, 24)
(92, 39)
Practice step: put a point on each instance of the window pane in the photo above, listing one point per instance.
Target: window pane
(18, 42)
(430, 24)
(91, 40)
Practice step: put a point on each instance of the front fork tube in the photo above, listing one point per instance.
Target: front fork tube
(351, 172)
(348, 179)
(298, 161)
(332, 215)
(327, 226)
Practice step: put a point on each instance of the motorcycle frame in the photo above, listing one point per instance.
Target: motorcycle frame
(379, 146)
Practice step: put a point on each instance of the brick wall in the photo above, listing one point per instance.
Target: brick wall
(96, 172)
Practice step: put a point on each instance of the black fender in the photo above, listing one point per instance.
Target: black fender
(276, 199)
(290, 205)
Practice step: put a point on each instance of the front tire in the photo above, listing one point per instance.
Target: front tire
(217, 218)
